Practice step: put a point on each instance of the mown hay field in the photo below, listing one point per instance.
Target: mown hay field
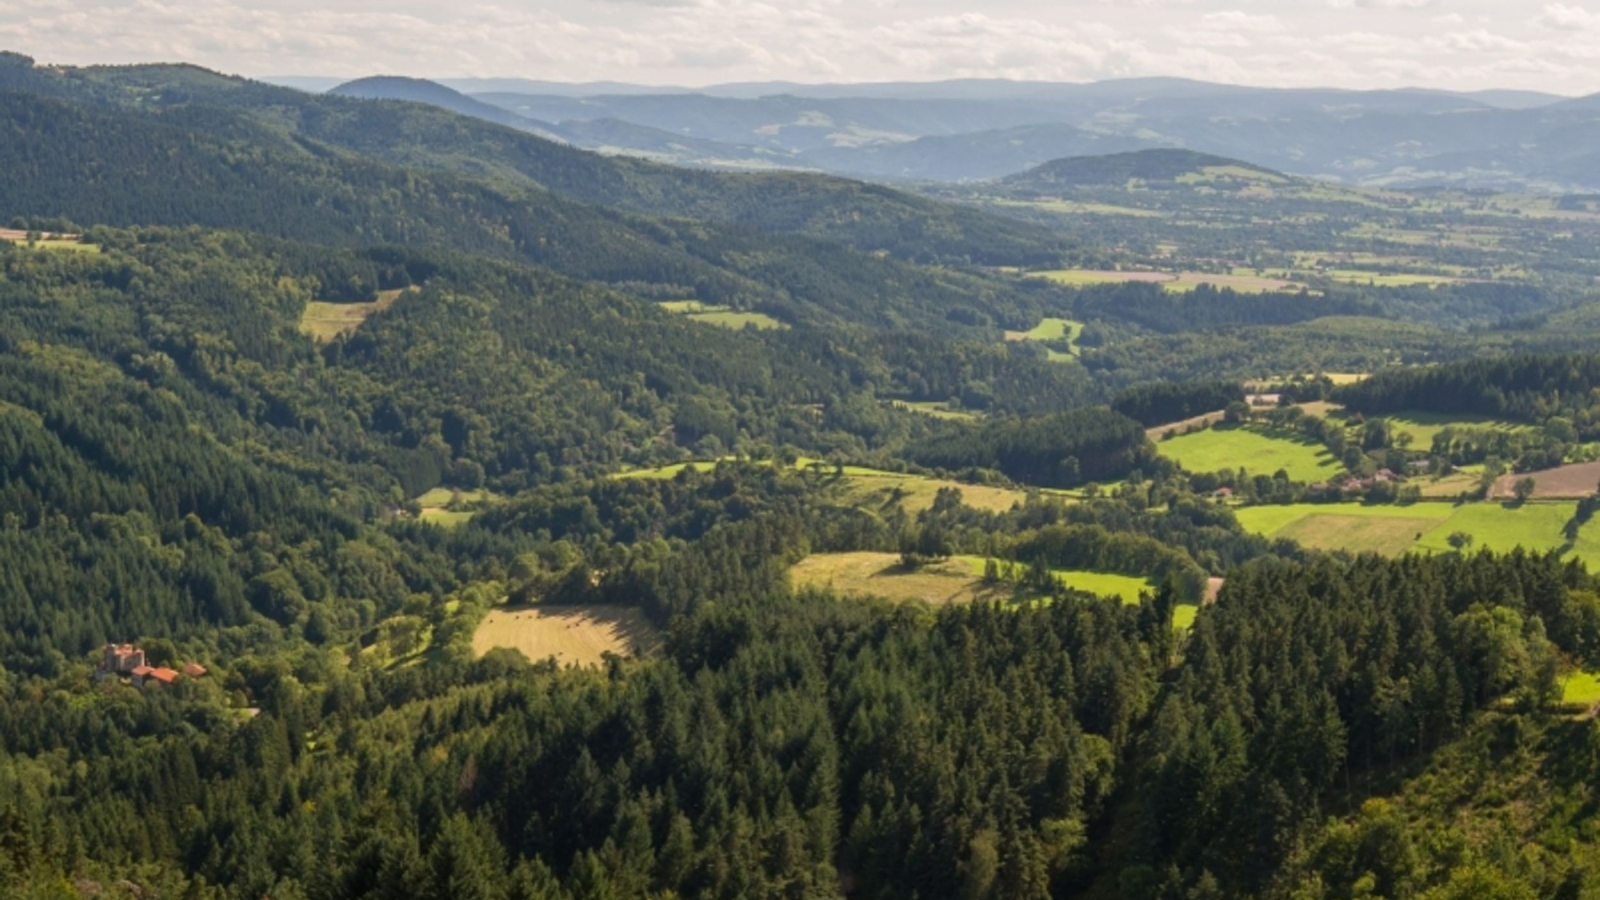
(574, 635)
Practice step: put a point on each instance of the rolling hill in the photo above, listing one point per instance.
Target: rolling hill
(1149, 167)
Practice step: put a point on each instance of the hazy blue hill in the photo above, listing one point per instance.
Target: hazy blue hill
(963, 157)
(421, 90)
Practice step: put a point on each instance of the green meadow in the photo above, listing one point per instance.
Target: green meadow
(1426, 527)
(1256, 450)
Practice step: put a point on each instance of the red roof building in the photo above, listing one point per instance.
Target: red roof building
(194, 670)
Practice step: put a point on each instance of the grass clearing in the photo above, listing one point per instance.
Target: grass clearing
(1256, 450)
(574, 635)
(323, 322)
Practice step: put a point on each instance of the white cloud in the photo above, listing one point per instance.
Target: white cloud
(1353, 43)
(1562, 17)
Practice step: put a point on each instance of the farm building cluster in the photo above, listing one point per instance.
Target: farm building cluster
(126, 660)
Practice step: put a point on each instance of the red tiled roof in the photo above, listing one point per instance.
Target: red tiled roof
(194, 670)
(141, 670)
(164, 675)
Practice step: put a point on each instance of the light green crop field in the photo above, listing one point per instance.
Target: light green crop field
(1426, 527)
(1255, 450)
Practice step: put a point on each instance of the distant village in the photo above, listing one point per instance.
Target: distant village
(128, 661)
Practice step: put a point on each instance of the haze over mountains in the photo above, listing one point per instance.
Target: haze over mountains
(980, 129)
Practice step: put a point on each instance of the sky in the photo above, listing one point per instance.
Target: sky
(1453, 44)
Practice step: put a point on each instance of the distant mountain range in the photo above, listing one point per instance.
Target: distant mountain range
(975, 130)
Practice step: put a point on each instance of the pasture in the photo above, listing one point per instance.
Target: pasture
(721, 316)
(574, 635)
(1426, 527)
(323, 322)
(1256, 450)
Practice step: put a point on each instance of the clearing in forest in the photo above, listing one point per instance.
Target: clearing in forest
(324, 322)
(574, 635)
(1256, 450)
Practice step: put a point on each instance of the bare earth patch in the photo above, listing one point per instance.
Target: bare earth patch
(574, 635)
(1562, 483)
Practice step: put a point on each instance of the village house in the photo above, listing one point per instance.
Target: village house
(149, 677)
(126, 659)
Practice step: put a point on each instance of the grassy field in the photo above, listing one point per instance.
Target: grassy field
(1392, 530)
(326, 321)
(955, 580)
(721, 315)
(574, 635)
(1255, 450)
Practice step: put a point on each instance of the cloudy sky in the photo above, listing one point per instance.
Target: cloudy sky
(1463, 44)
